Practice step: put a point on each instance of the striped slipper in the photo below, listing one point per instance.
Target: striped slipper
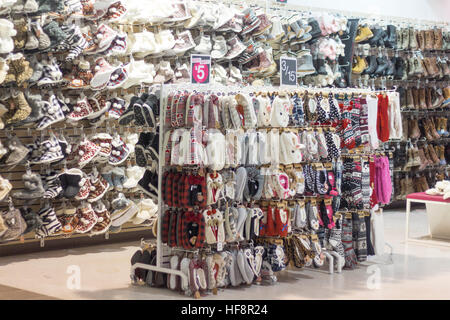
(51, 224)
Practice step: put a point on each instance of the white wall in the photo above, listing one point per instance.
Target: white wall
(435, 10)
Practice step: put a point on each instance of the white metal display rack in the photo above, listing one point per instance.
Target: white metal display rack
(225, 89)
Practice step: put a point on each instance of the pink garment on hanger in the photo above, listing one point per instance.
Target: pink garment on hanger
(383, 183)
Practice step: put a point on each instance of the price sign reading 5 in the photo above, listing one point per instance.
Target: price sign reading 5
(288, 71)
(200, 68)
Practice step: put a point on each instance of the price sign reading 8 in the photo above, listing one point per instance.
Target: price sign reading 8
(288, 72)
(200, 68)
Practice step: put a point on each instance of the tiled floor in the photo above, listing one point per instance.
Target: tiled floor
(417, 272)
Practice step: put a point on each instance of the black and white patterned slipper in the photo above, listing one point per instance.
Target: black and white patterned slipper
(139, 117)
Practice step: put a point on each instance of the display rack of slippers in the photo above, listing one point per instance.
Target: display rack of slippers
(415, 59)
(254, 182)
(68, 168)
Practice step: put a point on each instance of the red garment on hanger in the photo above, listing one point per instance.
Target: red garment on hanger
(281, 227)
(373, 196)
(270, 225)
(383, 118)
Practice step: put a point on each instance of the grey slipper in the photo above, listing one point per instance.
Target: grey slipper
(15, 223)
(228, 260)
(231, 217)
(248, 223)
(241, 222)
(243, 267)
(241, 181)
(235, 274)
(34, 188)
(18, 152)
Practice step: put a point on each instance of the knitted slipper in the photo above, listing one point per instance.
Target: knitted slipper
(319, 257)
(241, 222)
(99, 187)
(118, 178)
(115, 11)
(281, 185)
(244, 269)
(52, 113)
(82, 110)
(70, 182)
(16, 225)
(87, 151)
(106, 173)
(217, 271)
(322, 182)
(139, 117)
(50, 151)
(128, 115)
(251, 263)
(241, 181)
(33, 187)
(151, 110)
(193, 284)
(67, 220)
(313, 217)
(51, 224)
(172, 280)
(103, 73)
(85, 188)
(17, 152)
(211, 272)
(103, 140)
(127, 215)
(99, 106)
(119, 206)
(184, 267)
(300, 217)
(133, 174)
(231, 218)
(87, 219)
(259, 252)
(117, 108)
(5, 188)
(119, 153)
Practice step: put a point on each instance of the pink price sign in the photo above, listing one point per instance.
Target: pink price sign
(200, 68)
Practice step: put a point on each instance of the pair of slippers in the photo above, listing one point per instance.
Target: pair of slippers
(151, 278)
(143, 110)
(108, 76)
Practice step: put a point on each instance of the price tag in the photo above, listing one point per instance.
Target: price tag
(200, 68)
(219, 246)
(288, 71)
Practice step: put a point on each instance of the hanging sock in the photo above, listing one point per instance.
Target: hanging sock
(349, 253)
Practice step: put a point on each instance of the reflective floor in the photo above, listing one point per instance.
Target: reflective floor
(418, 271)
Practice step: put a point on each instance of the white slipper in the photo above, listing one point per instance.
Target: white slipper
(211, 272)
(172, 279)
(242, 264)
(259, 251)
(184, 267)
(241, 222)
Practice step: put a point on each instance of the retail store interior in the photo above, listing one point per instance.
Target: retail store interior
(245, 150)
